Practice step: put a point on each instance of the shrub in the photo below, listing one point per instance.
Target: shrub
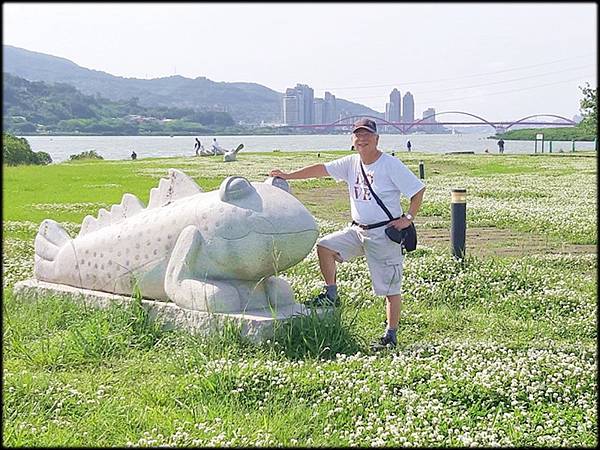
(16, 151)
(90, 154)
(43, 158)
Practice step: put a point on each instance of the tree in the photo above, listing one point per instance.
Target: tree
(589, 108)
(17, 151)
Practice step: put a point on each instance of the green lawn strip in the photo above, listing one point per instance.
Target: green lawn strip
(92, 181)
(504, 191)
(425, 393)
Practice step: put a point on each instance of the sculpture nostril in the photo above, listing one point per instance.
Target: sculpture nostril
(280, 183)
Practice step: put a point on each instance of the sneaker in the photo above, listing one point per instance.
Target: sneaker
(382, 343)
(322, 300)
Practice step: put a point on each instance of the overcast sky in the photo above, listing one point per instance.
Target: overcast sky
(502, 61)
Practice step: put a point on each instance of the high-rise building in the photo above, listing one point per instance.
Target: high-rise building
(304, 104)
(429, 115)
(408, 108)
(429, 118)
(395, 107)
(386, 116)
(318, 111)
(290, 109)
(329, 108)
(308, 97)
(301, 114)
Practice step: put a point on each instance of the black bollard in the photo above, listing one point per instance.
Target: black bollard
(421, 170)
(458, 218)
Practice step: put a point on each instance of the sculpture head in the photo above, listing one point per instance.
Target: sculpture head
(262, 229)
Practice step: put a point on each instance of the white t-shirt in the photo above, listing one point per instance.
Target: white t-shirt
(389, 178)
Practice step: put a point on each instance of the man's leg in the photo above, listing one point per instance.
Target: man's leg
(327, 259)
(330, 250)
(393, 307)
(392, 310)
(385, 262)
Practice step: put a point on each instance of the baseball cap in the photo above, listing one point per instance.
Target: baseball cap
(365, 123)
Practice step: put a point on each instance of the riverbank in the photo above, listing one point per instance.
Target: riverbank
(120, 147)
(550, 134)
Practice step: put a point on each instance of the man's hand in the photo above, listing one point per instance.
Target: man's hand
(278, 173)
(314, 171)
(401, 223)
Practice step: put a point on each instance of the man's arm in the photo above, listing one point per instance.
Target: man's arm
(415, 202)
(314, 171)
(413, 209)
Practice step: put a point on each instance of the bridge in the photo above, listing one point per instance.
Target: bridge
(405, 127)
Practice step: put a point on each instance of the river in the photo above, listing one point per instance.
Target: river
(120, 147)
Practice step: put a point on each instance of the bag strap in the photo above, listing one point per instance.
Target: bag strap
(377, 199)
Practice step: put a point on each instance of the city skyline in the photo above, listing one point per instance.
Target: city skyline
(296, 108)
(498, 60)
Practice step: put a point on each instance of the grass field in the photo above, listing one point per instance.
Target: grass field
(496, 350)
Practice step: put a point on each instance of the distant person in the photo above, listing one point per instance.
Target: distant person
(133, 155)
(408, 145)
(197, 146)
(501, 146)
(217, 149)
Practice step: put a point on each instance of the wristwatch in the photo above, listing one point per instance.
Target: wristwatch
(409, 216)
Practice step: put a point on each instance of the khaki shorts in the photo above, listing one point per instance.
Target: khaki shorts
(384, 256)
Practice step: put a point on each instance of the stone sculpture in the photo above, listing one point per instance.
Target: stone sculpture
(206, 151)
(214, 251)
(231, 155)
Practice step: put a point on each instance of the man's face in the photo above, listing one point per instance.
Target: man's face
(364, 139)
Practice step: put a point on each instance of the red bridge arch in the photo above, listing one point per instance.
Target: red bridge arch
(405, 127)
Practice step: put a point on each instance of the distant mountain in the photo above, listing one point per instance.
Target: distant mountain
(247, 102)
(39, 107)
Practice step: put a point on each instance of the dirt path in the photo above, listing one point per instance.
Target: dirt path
(501, 242)
(332, 203)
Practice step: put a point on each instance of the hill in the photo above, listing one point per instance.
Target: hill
(34, 106)
(246, 102)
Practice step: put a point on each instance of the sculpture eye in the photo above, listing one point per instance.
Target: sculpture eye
(234, 188)
(279, 182)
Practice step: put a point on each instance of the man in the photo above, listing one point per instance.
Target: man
(389, 178)
(217, 149)
(198, 146)
(501, 146)
(408, 145)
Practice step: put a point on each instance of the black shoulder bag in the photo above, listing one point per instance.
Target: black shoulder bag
(406, 237)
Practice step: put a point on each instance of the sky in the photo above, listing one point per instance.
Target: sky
(501, 61)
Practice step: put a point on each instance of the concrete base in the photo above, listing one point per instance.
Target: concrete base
(255, 325)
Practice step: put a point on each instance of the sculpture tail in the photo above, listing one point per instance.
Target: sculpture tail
(50, 239)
